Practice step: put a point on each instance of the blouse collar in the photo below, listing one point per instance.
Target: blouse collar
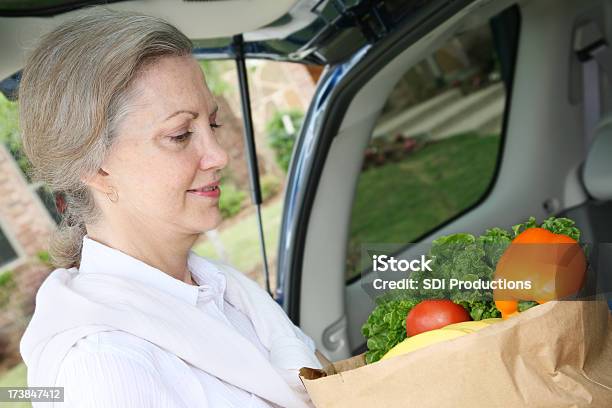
(100, 258)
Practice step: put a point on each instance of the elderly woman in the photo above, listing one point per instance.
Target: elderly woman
(116, 115)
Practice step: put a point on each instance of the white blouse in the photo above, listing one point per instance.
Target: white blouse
(118, 369)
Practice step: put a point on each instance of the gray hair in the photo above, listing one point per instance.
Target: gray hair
(74, 91)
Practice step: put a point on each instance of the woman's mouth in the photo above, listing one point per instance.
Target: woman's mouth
(210, 191)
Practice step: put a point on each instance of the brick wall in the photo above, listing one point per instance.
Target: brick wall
(27, 225)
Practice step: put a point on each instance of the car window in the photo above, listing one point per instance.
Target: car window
(435, 148)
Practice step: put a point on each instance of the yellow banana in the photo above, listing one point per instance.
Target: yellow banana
(471, 326)
(422, 340)
(436, 336)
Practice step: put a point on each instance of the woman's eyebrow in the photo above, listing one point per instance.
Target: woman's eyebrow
(194, 114)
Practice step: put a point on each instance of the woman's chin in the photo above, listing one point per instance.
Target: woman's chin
(211, 220)
(219, 221)
(215, 220)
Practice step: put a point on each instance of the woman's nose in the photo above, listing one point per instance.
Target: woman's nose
(213, 155)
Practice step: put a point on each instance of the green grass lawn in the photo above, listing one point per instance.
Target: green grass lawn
(400, 201)
(16, 377)
(241, 240)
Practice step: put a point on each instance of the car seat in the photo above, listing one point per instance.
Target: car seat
(594, 216)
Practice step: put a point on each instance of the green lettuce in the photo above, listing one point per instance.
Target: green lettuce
(386, 326)
(555, 225)
(460, 256)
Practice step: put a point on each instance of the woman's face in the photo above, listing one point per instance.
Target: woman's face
(167, 145)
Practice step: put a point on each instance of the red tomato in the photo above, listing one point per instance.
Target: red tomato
(434, 314)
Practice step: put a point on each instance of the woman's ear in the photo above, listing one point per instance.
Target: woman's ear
(98, 181)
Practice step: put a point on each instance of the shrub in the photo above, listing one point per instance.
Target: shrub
(382, 150)
(280, 138)
(44, 257)
(9, 134)
(7, 287)
(230, 201)
(270, 185)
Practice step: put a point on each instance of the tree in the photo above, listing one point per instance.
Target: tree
(282, 129)
(9, 133)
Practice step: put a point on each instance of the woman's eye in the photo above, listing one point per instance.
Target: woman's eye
(215, 125)
(181, 138)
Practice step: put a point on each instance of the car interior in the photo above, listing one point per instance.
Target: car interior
(24, 22)
(550, 108)
(546, 164)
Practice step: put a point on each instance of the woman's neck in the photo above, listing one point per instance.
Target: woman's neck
(169, 254)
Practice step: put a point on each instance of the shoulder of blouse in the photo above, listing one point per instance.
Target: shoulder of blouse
(116, 342)
(100, 377)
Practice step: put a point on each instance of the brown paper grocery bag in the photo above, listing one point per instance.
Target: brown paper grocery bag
(555, 355)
